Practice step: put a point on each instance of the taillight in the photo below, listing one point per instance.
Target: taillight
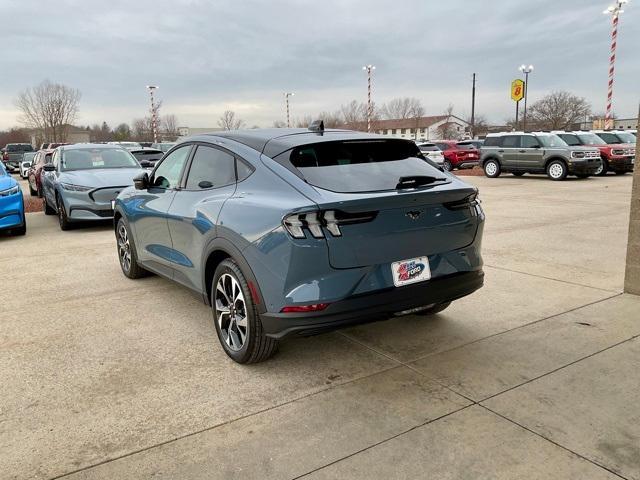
(472, 202)
(297, 223)
(316, 307)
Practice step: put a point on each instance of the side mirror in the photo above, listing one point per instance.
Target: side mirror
(49, 167)
(141, 182)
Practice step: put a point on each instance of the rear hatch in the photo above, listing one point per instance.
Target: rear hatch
(467, 152)
(389, 203)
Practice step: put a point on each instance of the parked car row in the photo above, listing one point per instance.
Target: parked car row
(558, 154)
(452, 154)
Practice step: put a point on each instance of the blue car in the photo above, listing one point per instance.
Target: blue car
(12, 215)
(300, 231)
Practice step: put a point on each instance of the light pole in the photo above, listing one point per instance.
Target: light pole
(615, 11)
(526, 70)
(473, 107)
(154, 120)
(369, 69)
(286, 99)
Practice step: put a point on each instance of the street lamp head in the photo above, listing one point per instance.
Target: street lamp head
(151, 87)
(369, 67)
(525, 69)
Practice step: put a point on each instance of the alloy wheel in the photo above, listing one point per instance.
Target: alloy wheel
(231, 312)
(124, 248)
(491, 168)
(600, 169)
(556, 171)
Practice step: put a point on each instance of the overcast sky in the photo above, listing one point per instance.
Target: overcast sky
(208, 56)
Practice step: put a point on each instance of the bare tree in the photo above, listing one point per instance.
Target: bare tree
(481, 125)
(448, 130)
(142, 129)
(559, 110)
(170, 127)
(355, 112)
(14, 135)
(407, 107)
(331, 120)
(50, 108)
(303, 122)
(228, 121)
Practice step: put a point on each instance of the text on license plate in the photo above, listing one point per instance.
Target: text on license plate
(410, 271)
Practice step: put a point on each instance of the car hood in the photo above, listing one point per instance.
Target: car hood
(102, 177)
(6, 182)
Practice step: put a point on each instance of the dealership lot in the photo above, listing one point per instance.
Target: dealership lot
(535, 375)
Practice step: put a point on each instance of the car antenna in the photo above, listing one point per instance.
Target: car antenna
(317, 126)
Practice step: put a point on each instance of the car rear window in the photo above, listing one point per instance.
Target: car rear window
(428, 148)
(466, 145)
(358, 165)
(19, 147)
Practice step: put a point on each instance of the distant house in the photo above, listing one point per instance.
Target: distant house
(73, 135)
(436, 127)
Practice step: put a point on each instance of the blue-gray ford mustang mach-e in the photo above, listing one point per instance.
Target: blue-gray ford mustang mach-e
(295, 231)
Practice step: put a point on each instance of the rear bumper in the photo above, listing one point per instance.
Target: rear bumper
(467, 164)
(373, 306)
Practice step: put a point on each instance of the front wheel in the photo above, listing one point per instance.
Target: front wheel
(492, 169)
(602, 169)
(63, 220)
(557, 170)
(127, 254)
(236, 317)
(32, 192)
(45, 206)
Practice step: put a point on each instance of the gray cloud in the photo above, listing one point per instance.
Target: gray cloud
(209, 55)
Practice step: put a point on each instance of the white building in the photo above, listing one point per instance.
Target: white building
(436, 127)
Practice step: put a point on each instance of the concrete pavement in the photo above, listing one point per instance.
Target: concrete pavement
(534, 376)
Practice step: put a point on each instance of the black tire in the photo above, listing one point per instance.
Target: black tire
(32, 192)
(447, 165)
(131, 268)
(517, 174)
(256, 347)
(605, 169)
(492, 168)
(437, 308)
(46, 208)
(557, 170)
(63, 220)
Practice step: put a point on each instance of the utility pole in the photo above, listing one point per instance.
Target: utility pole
(154, 120)
(526, 70)
(369, 69)
(286, 99)
(615, 11)
(473, 107)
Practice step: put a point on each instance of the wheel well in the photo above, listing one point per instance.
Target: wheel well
(490, 158)
(555, 159)
(213, 260)
(116, 216)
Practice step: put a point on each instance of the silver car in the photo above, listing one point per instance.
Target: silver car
(82, 181)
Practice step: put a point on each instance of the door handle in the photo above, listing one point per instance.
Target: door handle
(500, 151)
(522, 151)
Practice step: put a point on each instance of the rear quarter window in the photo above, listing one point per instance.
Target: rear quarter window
(358, 165)
(492, 142)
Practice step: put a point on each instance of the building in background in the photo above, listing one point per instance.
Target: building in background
(596, 123)
(72, 134)
(436, 127)
(190, 131)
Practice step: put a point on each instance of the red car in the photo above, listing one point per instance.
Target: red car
(616, 157)
(34, 174)
(458, 154)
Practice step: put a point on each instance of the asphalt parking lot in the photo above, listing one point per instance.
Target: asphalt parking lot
(533, 376)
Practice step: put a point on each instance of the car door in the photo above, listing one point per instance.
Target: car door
(509, 152)
(531, 154)
(193, 215)
(49, 180)
(148, 216)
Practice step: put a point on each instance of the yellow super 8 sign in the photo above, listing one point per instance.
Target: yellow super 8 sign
(517, 90)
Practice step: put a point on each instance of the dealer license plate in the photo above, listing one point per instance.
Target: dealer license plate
(410, 271)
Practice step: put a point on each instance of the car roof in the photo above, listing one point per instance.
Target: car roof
(80, 146)
(274, 141)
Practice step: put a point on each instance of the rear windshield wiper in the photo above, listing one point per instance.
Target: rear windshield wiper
(414, 181)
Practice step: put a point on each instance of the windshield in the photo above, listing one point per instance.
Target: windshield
(591, 139)
(19, 147)
(609, 138)
(27, 157)
(359, 165)
(551, 141)
(94, 158)
(626, 137)
(570, 139)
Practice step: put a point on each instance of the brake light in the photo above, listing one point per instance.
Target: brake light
(316, 307)
(297, 223)
(5, 156)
